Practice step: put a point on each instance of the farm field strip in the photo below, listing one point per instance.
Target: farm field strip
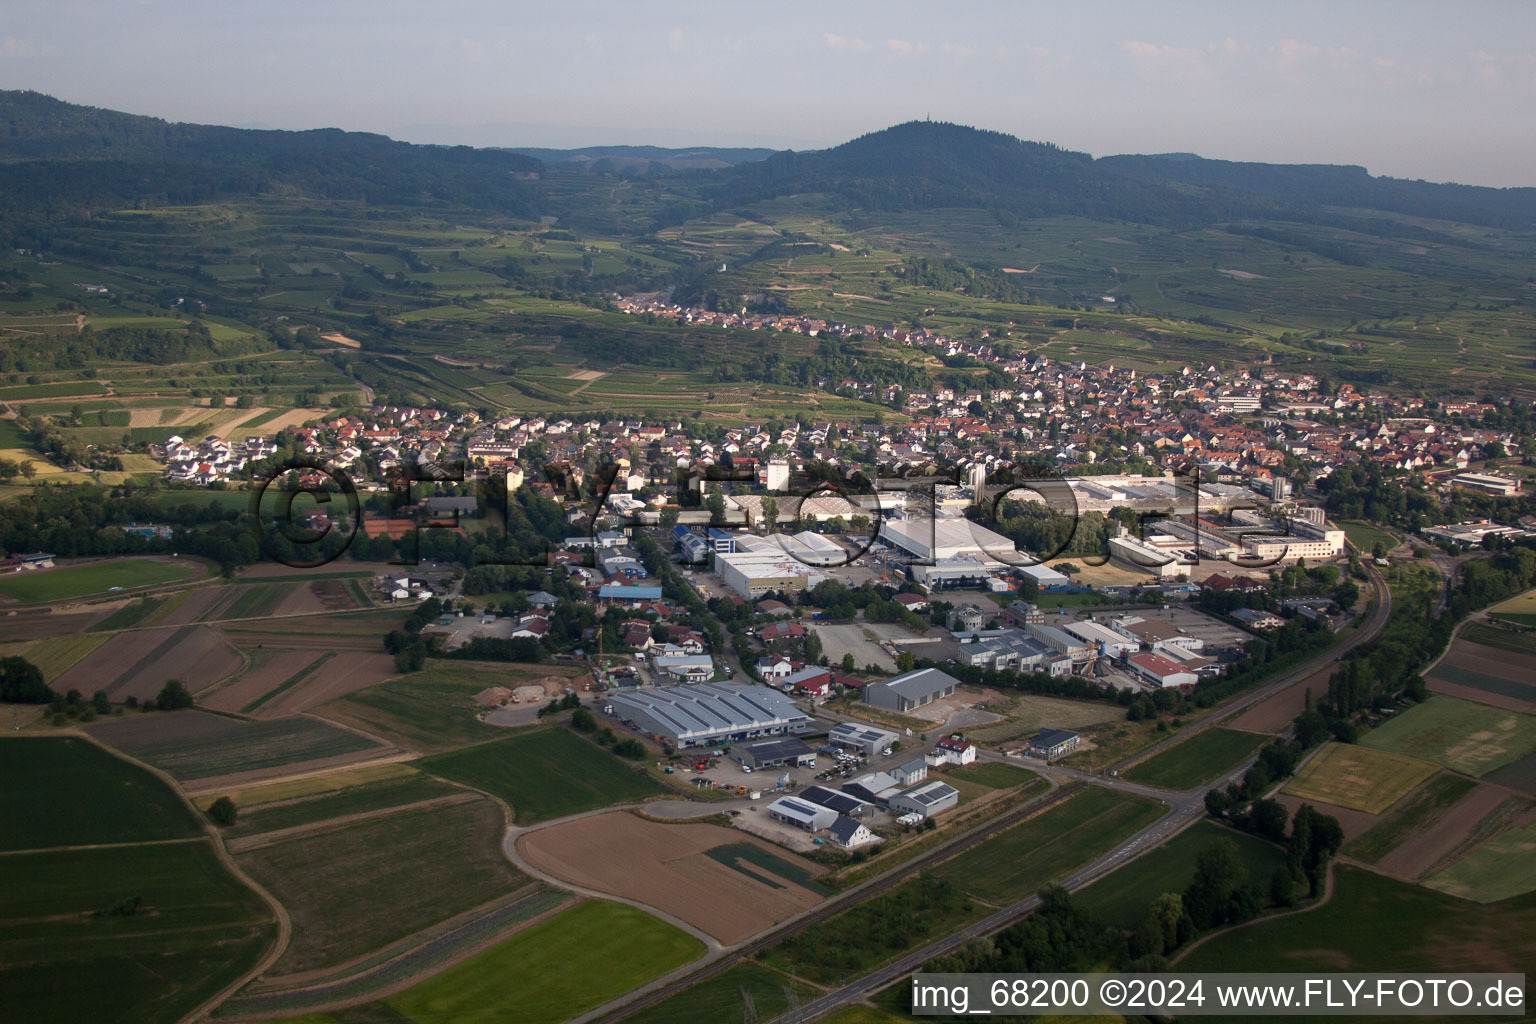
(109, 873)
(687, 870)
(355, 887)
(1208, 754)
(1358, 777)
(1464, 736)
(193, 745)
(543, 774)
(1503, 867)
(1015, 863)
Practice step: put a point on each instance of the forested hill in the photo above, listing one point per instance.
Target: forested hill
(62, 153)
(1302, 186)
(60, 159)
(642, 159)
(931, 165)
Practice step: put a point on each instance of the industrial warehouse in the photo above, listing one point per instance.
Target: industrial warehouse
(703, 714)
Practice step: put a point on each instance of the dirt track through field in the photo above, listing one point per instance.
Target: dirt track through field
(665, 866)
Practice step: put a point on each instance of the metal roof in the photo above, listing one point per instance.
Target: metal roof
(920, 683)
(712, 707)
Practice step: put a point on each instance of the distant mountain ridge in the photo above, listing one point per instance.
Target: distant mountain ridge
(57, 158)
(88, 155)
(640, 159)
(931, 165)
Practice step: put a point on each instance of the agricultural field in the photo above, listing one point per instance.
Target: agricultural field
(723, 882)
(554, 970)
(1520, 610)
(129, 615)
(720, 998)
(1358, 777)
(266, 671)
(1375, 923)
(1123, 896)
(194, 745)
(299, 788)
(77, 794)
(128, 916)
(64, 583)
(52, 655)
(1501, 868)
(137, 663)
(396, 789)
(544, 773)
(1490, 664)
(356, 886)
(1458, 734)
(335, 674)
(1016, 863)
(1207, 755)
(1520, 775)
(431, 710)
(1416, 815)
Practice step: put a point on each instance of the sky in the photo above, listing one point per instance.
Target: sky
(1444, 91)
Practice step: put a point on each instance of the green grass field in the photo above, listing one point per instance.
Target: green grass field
(431, 710)
(1204, 756)
(720, 998)
(1503, 867)
(1375, 923)
(157, 924)
(1358, 777)
(544, 773)
(996, 775)
(1016, 863)
(1460, 734)
(355, 888)
(76, 793)
(1123, 896)
(1364, 536)
(553, 971)
(198, 930)
(1414, 815)
(61, 584)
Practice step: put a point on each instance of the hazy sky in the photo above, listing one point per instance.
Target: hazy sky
(1441, 90)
